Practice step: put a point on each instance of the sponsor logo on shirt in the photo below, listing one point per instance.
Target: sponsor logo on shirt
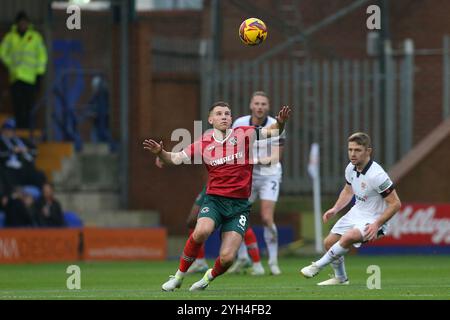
(363, 186)
(210, 147)
(216, 162)
(233, 141)
(363, 199)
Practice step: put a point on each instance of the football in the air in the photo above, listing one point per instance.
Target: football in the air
(253, 31)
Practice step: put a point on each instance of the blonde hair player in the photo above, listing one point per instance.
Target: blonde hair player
(267, 174)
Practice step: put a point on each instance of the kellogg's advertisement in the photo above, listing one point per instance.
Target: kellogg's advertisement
(426, 227)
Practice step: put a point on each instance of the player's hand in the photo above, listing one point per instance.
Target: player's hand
(328, 215)
(159, 163)
(371, 231)
(284, 114)
(153, 146)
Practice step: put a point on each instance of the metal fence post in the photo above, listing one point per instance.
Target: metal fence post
(389, 136)
(408, 94)
(446, 77)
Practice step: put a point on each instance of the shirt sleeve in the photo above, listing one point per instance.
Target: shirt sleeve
(348, 174)
(5, 50)
(192, 150)
(280, 140)
(382, 183)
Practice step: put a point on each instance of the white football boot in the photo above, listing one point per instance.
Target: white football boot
(274, 269)
(173, 283)
(334, 282)
(310, 271)
(258, 269)
(203, 283)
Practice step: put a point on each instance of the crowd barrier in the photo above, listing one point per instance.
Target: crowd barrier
(24, 245)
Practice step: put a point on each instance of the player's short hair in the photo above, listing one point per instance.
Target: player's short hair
(219, 104)
(260, 94)
(361, 138)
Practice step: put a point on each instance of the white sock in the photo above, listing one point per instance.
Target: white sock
(338, 266)
(271, 239)
(335, 252)
(242, 252)
(180, 274)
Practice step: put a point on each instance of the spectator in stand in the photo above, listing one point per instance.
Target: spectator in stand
(48, 210)
(17, 157)
(19, 208)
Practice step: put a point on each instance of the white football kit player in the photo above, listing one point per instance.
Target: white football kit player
(370, 187)
(266, 177)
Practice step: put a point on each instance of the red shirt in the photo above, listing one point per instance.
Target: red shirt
(228, 161)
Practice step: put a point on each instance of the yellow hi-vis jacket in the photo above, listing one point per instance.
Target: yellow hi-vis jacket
(25, 57)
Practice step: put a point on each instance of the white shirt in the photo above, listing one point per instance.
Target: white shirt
(262, 148)
(369, 186)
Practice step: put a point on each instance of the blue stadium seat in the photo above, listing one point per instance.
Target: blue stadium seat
(33, 191)
(2, 219)
(72, 220)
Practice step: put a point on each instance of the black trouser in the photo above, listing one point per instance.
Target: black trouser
(23, 98)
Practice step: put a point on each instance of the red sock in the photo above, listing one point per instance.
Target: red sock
(201, 252)
(218, 269)
(190, 252)
(252, 245)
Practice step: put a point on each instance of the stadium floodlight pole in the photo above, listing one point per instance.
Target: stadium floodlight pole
(314, 172)
(124, 165)
(309, 31)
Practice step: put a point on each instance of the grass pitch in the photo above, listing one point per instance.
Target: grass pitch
(402, 277)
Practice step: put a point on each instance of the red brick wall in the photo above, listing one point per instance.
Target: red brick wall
(160, 104)
(426, 22)
(428, 181)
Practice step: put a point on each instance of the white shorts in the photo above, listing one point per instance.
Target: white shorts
(265, 188)
(359, 220)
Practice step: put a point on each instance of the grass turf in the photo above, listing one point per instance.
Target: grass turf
(402, 277)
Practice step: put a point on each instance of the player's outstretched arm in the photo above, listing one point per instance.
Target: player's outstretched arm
(170, 158)
(344, 198)
(393, 205)
(277, 128)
